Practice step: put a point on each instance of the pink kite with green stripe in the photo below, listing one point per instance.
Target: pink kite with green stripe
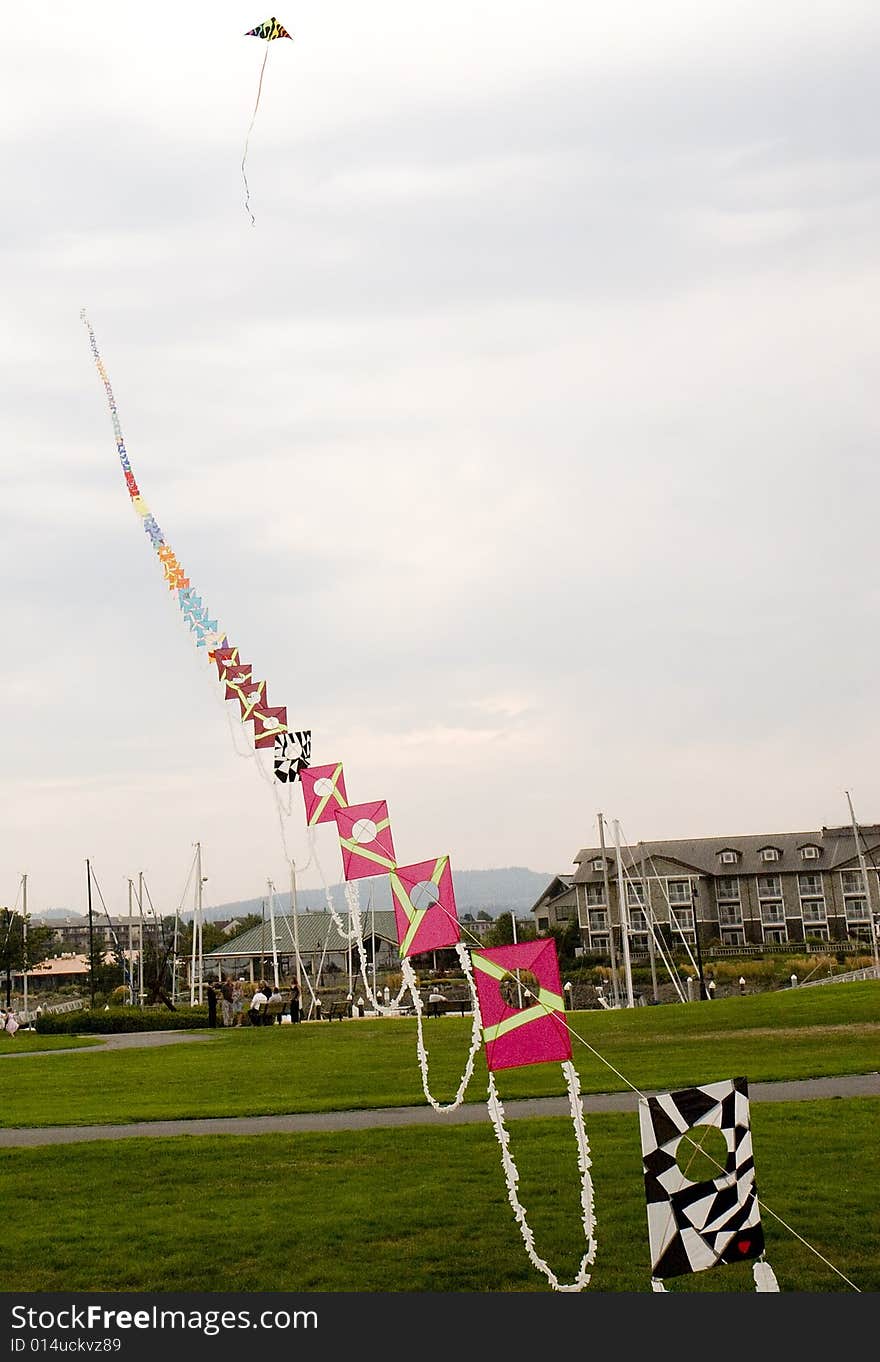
(534, 1033)
(424, 906)
(323, 790)
(365, 840)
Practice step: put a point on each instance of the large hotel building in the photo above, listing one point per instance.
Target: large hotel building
(737, 891)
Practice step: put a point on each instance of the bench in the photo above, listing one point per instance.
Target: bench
(461, 1006)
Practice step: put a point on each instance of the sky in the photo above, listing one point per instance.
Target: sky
(525, 442)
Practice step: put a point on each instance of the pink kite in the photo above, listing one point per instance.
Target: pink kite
(236, 675)
(250, 695)
(224, 657)
(424, 906)
(534, 1033)
(323, 790)
(365, 838)
(268, 725)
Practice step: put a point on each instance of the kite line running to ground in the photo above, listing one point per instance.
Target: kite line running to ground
(269, 30)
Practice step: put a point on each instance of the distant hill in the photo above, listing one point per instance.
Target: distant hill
(512, 888)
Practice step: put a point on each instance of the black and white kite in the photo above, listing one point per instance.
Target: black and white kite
(697, 1225)
(292, 752)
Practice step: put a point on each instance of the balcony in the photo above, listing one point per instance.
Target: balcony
(729, 915)
(772, 915)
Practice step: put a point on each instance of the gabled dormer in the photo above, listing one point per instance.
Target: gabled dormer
(729, 856)
(770, 853)
(810, 851)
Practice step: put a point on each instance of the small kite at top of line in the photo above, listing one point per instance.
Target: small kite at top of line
(268, 30)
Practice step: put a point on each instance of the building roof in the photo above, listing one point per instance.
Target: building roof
(560, 885)
(315, 930)
(702, 855)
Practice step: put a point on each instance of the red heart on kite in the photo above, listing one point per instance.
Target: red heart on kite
(744, 1245)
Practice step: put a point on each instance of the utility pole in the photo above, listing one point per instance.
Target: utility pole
(865, 881)
(91, 935)
(615, 987)
(624, 919)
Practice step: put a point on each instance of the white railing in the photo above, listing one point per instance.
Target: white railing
(871, 972)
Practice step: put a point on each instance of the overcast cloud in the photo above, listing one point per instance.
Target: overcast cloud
(526, 445)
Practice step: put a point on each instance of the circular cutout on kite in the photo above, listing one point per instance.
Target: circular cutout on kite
(323, 786)
(520, 989)
(701, 1154)
(363, 831)
(424, 894)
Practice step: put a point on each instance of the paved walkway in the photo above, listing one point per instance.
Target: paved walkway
(126, 1040)
(855, 1085)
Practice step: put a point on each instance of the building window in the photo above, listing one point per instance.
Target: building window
(775, 935)
(769, 854)
(810, 853)
(772, 912)
(814, 911)
(732, 937)
(679, 891)
(729, 914)
(543, 924)
(819, 933)
(810, 886)
(598, 922)
(729, 857)
(563, 912)
(856, 910)
(635, 891)
(597, 864)
(637, 921)
(683, 918)
(852, 882)
(769, 887)
(727, 887)
(639, 945)
(595, 894)
(599, 943)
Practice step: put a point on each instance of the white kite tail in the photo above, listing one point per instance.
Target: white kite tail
(353, 899)
(511, 1174)
(765, 1277)
(411, 982)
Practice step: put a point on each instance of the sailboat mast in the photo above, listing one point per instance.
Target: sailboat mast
(24, 932)
(865, 881)
(615, 986)
(91, 934)
(295, 923)
(271, 888)
(624, 919)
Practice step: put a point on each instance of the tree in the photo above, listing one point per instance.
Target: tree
(502, 933)
(16, 953)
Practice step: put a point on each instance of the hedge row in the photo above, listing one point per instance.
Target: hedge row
(119, 1019)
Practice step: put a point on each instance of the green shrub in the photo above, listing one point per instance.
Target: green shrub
(120, 1019)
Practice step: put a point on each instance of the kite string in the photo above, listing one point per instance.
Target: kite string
(247, 192)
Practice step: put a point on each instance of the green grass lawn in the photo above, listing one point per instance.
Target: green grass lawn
(29, 1040)
(362, 1064)
(418, 1209)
